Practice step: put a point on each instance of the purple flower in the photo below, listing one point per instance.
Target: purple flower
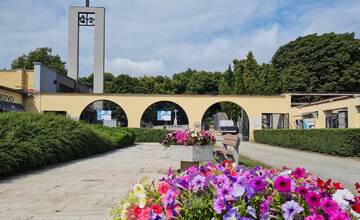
(265, 207)
(251, 211)
(225, 192)
(237, 191)
(258, 183)
(222, 180)
(219, 204)
(170, 196)
(291, 208)
(197, 183)
(232, 215)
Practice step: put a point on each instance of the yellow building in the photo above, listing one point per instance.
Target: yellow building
(42, 90)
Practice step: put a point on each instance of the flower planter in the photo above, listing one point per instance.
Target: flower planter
(191, 155)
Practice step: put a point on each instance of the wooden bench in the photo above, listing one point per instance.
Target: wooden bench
(230, 148)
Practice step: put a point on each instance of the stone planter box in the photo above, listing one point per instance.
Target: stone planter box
(191, 155)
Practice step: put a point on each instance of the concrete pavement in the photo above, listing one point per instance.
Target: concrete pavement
(345, 170)
(83, 189)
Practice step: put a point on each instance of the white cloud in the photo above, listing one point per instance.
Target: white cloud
(162, 36)
(127, 66)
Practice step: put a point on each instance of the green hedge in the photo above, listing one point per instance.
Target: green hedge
(148, 134)
(342, 142)
(30, 140)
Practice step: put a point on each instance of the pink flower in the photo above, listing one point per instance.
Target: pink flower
(339, 216)
(156, 208)
(314, 217)
(302, 191)
(313, 199)
(283, 184)
(145, 214)
(328, 205)
(163, 187)
(299, 172)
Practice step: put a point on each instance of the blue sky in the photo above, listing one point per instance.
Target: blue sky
(169, 36)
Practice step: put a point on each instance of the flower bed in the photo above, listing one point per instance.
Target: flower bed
(215, 191)
(189, 137)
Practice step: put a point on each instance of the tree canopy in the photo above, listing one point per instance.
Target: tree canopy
(314, 63)
(43, 55)
(320, 63)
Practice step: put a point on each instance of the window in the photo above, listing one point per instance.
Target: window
(337, 119)
(275, 121)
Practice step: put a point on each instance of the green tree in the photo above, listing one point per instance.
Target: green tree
(181, 81)
(270, 80)
(252, 80)
(43, 55)
(239, 85)
(226, 86)
(203, 83)
(320, 63)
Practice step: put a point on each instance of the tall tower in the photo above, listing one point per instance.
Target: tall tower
(87, 16)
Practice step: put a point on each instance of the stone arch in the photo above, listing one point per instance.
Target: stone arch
(182, 115)
(244, 125)
(117, 113)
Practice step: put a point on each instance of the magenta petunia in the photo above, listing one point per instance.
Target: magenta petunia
(301, 190)
(258, 183)
(313, 199)
(283, 184)
(299, 172)
(339, 216)
(329, 206)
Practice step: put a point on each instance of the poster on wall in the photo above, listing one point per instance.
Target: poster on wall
(103, 115)
(163, 115)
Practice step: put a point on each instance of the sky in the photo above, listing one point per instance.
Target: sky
(163, 37)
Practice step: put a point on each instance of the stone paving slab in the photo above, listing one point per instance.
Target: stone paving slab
(343, 169)
(83, 189)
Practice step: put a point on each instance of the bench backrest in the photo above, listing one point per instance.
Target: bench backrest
(233, 141)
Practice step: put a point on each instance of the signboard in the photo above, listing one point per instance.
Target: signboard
(6, 98)
(163, 115)
(103, 115)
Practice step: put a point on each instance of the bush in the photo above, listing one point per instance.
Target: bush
(342, 142)
(148, 134)
(30, 140)
(118, 136)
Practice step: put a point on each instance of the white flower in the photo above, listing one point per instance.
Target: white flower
(342, 197)
(142, 201)
(285, 172)
(138, 190)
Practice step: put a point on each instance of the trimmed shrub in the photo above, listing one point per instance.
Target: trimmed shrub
(31, 140)
(148, 134)
(118, 136)
(341, 142)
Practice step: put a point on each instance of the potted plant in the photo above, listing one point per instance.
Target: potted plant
(190, 146)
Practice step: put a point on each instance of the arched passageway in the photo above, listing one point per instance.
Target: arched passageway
(226, 117)
(104, 112)
(164, 114)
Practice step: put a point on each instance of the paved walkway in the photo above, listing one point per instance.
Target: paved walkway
(85, 189)
(82, 189)
(345, 170)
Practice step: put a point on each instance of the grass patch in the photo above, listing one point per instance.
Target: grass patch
(250, 163)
